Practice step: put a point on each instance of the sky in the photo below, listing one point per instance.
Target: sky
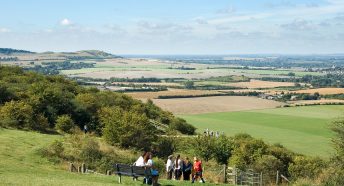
(174, 26)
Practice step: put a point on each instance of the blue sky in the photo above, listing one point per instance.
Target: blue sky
(175, 26)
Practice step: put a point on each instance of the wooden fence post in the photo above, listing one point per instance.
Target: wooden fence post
(225, 173)
(108, 172)
(261, 179)
(83, 168)
(277, 178)
(71, 167)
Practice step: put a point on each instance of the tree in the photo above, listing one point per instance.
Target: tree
(5, 95)
(205, 146)
(17, 114)
(127, 128)
(268, 165)
(182, 126)
(64, 124)
(189, 84)
(223, 149)
(164, 147)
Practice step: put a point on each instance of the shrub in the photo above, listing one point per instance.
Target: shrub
(223, 149)
(306, 167)
(127, 129)
(17, 114)
(205, 146)
(164, 147)
(268, 165)
(182, 126)
(64, 124)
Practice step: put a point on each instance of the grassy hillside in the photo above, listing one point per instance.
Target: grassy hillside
(21, 165)
(302, 129)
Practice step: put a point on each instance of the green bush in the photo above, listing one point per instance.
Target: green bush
(223, 149)
(17, 114)
(306, 167)
(164, 147)
(127, 129)
(205, 147)
(268, 165)
(182, 126)
(64, 124)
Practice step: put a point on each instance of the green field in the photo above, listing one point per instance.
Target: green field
(301, 129)
(21, 164)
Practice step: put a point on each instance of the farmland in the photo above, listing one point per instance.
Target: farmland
(214, 104)
(302, 129)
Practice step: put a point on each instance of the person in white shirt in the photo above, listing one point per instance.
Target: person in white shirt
(139, 162)
(178, 168)
(149, 164)
(169, 167)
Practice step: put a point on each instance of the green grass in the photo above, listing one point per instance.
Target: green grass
(21, 165)
(302, 129)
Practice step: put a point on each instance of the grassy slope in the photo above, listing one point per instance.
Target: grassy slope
(21, 165)
(302, 129)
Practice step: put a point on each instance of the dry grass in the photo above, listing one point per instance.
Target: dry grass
(312, 102)
(170, 92)
(214, 104)
(322, 91)
(261, 84)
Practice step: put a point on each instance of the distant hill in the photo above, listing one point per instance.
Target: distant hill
(9, 51)
(49, 55)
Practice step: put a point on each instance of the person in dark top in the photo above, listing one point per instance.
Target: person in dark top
(187, 168)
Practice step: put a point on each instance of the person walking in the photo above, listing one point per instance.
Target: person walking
(178, 168)
(187, 168)
(169, 167)
(85, 129)
(197, 167)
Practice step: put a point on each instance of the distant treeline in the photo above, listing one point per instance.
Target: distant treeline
(286, 62)
(182, 68)
(230, 93)
(53, 68)
(136, 80)
(328, 80)
(8, 59)
(9, 51)
(229, 79)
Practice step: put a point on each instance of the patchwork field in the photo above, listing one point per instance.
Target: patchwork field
(214, 104)
(302, 129)
(260, 84)
(170, 92)
(322, 91)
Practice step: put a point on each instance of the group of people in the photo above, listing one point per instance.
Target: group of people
(175, 168)
(184, 168)
(212, 133)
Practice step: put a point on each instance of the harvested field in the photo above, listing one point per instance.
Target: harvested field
(312, 102)
(214, 104)
(260, 84)
(322, 91)
(170, 92)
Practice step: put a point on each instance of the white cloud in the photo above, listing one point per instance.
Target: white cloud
(4, 30)
(65, 22)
